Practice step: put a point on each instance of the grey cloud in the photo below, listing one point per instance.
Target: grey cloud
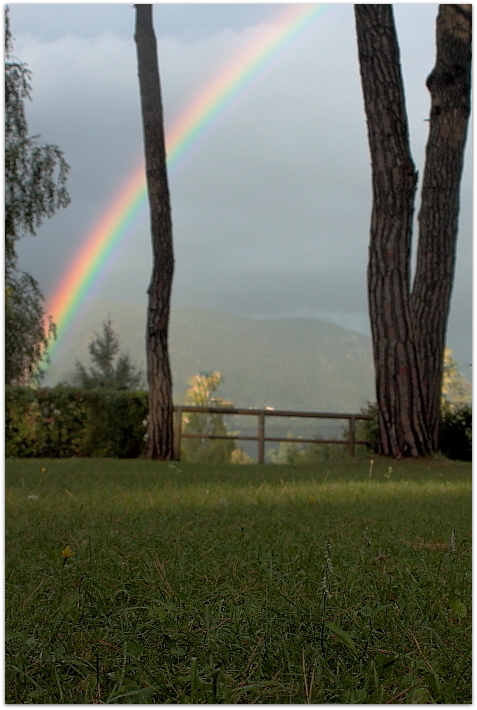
(271, 214)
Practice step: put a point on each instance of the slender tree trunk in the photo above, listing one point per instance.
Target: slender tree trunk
(409, 331)
(398, 388)
(449, 85)
(160, 428)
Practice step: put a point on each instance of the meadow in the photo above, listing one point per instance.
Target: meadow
(130, 581)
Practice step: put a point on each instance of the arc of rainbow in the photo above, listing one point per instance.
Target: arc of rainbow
(130, 202)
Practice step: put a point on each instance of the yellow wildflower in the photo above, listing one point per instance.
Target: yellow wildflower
(67, 552)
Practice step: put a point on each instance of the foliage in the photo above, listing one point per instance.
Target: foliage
(294, 453)
(27, 329)
(455, 434)
(35, 173)
(456, 390)
(66, 421)
(105, 372)
(147, 582)
(35, 177)
(239, 456)
(368, 429)
(288, 452)
(200, 394)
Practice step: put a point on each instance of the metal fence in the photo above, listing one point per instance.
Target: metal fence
(261, 437)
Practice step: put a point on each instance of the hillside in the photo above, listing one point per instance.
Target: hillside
(287, 363)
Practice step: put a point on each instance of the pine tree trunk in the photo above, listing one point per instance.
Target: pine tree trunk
(160, 427)
(398, 388)
(449, 84)
(409, 330)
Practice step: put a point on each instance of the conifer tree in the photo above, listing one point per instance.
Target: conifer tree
(110, 368)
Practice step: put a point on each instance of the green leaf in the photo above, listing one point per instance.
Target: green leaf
(35, 694)
(383, 660)
(135, 649)
(458, 607)
(343, 636)
(432, 680)
(421, 696)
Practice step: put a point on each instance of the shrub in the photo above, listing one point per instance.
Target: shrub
(368, 429)
(294, 453)
(455, 435)
(68, 421)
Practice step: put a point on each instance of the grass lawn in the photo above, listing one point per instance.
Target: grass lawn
(340, 583)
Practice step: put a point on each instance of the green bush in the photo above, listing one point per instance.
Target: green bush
(368, 429)
(455, 435)
(67, 421)
(294, 453)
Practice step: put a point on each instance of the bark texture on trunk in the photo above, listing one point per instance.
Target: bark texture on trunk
(394, 179)
(449, 84)
(160, 427)
(409, 330)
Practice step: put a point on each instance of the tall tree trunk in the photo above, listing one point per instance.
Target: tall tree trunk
(449, 84)
(409, 331)
(160, 427)
(398, 388)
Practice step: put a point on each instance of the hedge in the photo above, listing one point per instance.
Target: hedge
(67, 421)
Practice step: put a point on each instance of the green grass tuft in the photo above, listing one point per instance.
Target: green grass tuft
(335, 583)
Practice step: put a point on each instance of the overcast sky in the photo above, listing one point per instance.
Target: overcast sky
(271, 214)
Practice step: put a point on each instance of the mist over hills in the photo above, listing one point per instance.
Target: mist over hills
(286, 363)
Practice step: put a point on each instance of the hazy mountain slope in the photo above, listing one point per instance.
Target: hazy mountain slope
(285, 363)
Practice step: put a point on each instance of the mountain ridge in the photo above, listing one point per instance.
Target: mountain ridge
(288, 363)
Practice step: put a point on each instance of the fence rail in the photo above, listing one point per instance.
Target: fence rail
(261, 438)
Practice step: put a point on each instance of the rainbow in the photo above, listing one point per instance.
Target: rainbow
(128, 208)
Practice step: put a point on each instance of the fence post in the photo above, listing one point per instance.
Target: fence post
(261, 437)
(351, 435)
(177, 433)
